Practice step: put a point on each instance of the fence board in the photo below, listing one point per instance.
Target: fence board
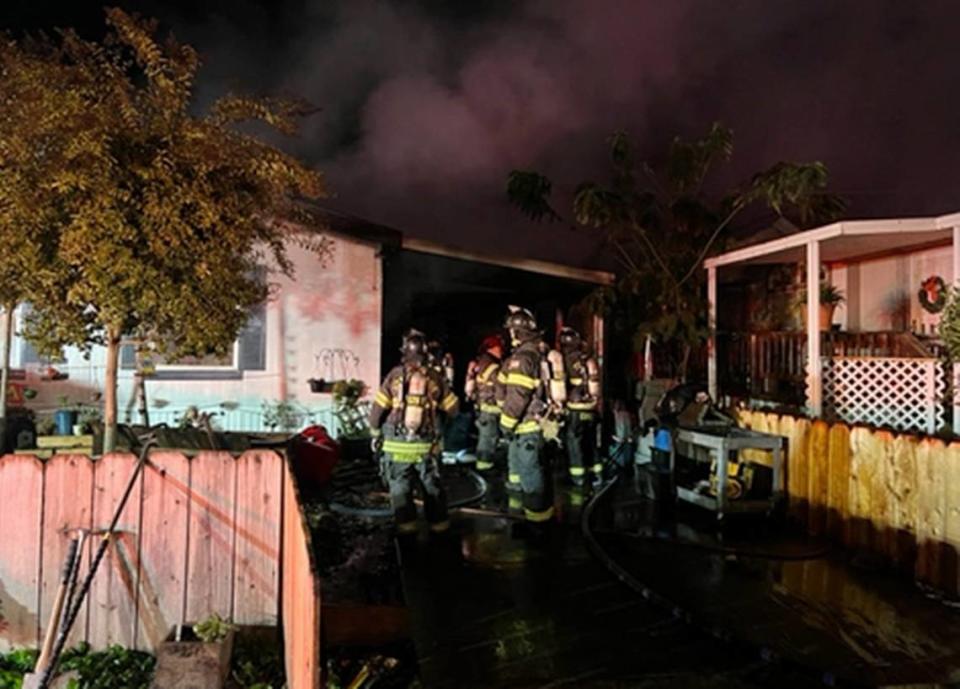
(902, 483)
(163, 550)
(300, 597)
(951, 570)
(838, 480)
(212, 536)
(257, 574)
(68, 505)
(818, 477)
(113, 593)
(21, 516)
(931, 501)
(797, 432)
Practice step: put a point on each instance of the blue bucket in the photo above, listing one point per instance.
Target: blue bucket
(64, 420)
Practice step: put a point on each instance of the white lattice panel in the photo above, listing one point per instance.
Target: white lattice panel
(900, 393)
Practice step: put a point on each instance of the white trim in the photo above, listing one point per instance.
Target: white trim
(596, 277)
(850, 228)
(814, 364)
(712, 386)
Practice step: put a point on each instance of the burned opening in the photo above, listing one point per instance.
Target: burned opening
(459, 302)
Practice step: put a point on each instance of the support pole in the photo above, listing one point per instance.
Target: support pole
(956, 366)
(712, 384)
(814, 364)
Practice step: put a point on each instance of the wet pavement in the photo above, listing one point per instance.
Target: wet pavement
(750, 608)
(795, 600)
(490, 609)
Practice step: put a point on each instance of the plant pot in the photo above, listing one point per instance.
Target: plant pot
(319, 385)
(64, 420)
(79, 429)
(826, 316)
(191, 663)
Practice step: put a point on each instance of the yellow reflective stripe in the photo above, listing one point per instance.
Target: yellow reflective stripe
(382, 399)
(486, 373)
(508, 422)
(576, 381)
(522, 381)
(535, 516)
(577, 471)
(529, 427)
(440, 527)
(407, 452)
(407, 527)
(488, 408)
(502, 377)
(576, 406)
(484, 464)
(597, 468)
(514, 502)
(449, 402)
(513, 478)
(414, 400)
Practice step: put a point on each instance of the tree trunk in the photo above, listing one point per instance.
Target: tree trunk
(110, 393)
(5, 372)
(140, 380)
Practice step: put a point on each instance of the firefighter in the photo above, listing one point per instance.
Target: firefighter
(528, 379)
(583, 403)
(481, 389)
(405, 421)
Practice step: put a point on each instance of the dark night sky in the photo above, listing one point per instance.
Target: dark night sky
(428, 103)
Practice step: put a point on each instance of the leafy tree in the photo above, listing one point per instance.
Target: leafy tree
(40, 118)
(168, 216)
(660, 224)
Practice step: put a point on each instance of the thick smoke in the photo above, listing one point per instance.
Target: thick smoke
(425, 111)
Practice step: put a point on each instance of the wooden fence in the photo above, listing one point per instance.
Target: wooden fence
(300, 595)
(894, 496)
(198, 536)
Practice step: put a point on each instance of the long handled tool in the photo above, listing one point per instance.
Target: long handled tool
(53, 626)
(46, 672)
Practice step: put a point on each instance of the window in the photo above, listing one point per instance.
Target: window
(248, 354)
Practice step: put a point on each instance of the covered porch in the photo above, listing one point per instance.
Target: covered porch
(876, 360)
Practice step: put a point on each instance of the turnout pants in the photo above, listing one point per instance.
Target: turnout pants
(488, 432)
(581, 439)
(404, 472)
(533, 476)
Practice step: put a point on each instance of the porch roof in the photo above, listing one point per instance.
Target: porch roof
(847, 241)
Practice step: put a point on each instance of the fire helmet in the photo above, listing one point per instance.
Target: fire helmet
(520, 319)
(493, 344)
(414, 344)
(569, 338)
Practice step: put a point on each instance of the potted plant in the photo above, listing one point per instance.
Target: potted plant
(351, 413)
(830, 298)
(196, 656)
(65, 417)
(88, 419)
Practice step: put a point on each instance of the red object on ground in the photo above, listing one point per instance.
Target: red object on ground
(314, 454)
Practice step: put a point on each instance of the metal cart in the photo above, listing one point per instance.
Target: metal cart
(711, 445)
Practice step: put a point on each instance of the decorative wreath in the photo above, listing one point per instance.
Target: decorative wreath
(933, 294)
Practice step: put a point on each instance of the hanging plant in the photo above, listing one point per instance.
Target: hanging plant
(933, 294)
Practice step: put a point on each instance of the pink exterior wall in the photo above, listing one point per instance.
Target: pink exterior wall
(332, 306)
(882, 294)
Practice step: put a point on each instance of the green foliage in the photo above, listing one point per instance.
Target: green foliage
(157, 221)
(350, 412)
(213, 629)
(830, 295)
(950, 324)
(114, 668)
(659, 225)
(284, 416)
(257, 665)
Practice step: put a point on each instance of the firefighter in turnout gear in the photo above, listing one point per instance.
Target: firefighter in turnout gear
(583, 403)
(404, 419)
(481, 389)
(525, 402)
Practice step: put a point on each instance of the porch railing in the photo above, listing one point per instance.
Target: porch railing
(772, 365)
